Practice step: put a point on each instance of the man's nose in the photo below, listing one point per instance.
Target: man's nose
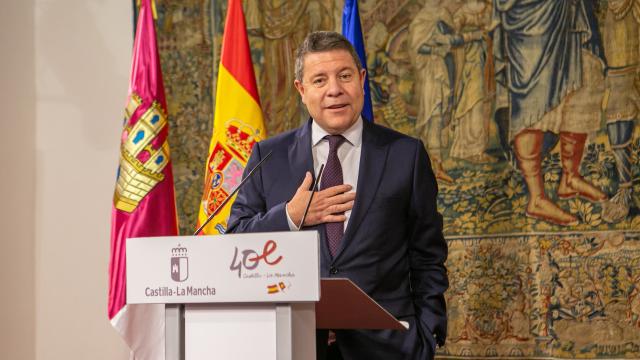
(335, 88)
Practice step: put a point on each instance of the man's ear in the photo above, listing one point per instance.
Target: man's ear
(363, 75)
(300, 88)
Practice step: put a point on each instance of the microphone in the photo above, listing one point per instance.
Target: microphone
(217, 210)
(314, 188)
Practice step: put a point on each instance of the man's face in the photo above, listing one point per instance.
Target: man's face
(332, 89)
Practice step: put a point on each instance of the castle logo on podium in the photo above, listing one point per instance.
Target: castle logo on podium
(143, 158)
(179, 264)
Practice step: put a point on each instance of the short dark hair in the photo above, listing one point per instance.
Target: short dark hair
(320, 41)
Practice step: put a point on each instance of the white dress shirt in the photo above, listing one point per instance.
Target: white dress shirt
(348, 153)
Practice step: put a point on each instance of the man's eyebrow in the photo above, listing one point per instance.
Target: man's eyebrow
(320, 73)
(324, 73)
(346, 68)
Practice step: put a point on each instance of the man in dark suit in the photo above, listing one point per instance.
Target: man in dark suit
(375, 211)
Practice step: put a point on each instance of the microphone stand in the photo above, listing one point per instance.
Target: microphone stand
(314, 188)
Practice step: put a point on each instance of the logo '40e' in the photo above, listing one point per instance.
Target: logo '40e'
(249, 259)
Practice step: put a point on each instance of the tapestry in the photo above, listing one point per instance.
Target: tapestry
(528, 112)
(186, 46)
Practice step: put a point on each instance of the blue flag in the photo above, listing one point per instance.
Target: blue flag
(352, 30)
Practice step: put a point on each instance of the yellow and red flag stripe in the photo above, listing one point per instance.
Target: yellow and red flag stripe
(272, 289)
(238, 121)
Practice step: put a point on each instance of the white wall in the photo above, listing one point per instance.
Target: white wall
(64, 68)
(83, 56)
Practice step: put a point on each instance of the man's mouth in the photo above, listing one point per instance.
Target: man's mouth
(336, 106)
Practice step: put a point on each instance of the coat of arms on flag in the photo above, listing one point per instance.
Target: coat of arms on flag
(226, 163)
(142, 160)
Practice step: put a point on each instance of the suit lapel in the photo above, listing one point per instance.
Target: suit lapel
(301, 161)
(300, 158)
(373, 158)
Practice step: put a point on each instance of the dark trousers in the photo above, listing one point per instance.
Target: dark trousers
(324, 351)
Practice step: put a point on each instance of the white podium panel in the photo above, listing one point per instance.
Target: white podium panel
(247, 296)
(250, 331)
(230, 332)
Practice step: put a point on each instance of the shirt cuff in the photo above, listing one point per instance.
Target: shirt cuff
(292, 226)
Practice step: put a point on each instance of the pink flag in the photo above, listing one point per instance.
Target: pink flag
(144, 202)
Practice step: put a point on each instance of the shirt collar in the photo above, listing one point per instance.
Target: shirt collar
(352, 134)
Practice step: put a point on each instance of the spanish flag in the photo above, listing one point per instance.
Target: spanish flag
(237, 124)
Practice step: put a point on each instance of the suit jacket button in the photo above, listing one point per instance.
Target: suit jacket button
(333, 271)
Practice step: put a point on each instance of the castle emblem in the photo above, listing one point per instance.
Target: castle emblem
(143, 156)
(179, 264)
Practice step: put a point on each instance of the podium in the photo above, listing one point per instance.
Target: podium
(245, 296)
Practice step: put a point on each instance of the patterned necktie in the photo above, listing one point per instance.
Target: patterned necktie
(332, 176)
